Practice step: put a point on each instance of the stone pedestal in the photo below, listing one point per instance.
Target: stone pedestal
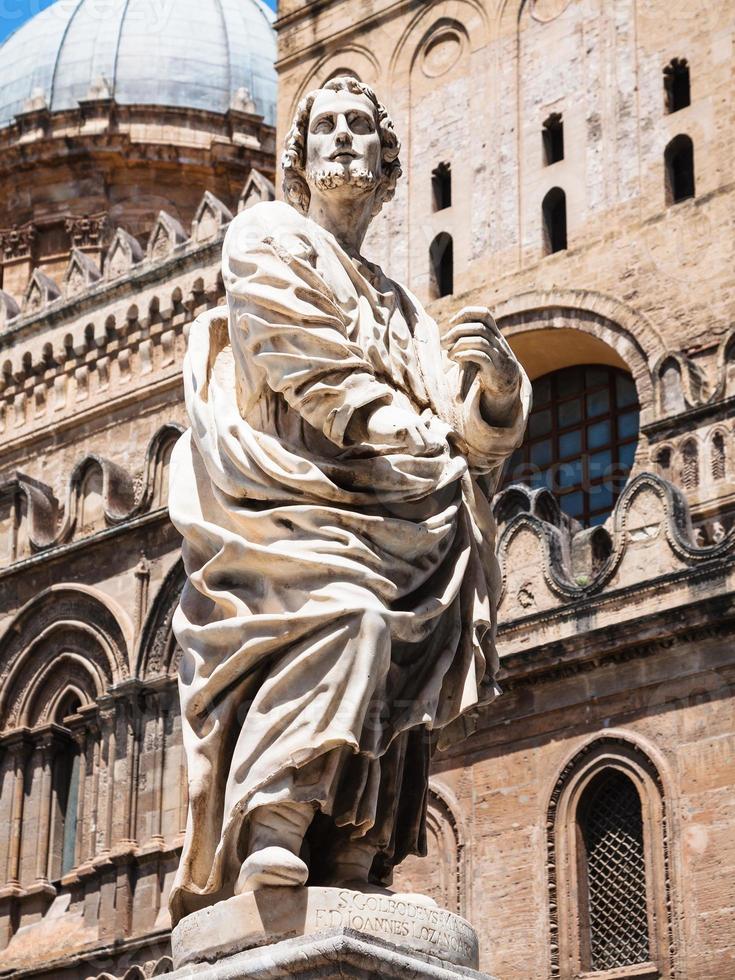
(325, 933)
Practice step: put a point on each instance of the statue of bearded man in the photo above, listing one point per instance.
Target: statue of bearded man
(332, 494)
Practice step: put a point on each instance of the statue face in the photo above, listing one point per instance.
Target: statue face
(343, 144)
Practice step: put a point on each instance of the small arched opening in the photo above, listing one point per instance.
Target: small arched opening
(554, 209)
(679, 167)
(441, 186)
(441, 261)
(609, 883)
(553, 138)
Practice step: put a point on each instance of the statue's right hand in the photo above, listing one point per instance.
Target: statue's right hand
(388, 425)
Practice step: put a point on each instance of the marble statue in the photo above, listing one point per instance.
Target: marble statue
(333, 497)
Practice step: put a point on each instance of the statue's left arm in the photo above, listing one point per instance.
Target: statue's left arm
(493, 393)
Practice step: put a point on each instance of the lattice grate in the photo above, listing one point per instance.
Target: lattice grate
(618, 908)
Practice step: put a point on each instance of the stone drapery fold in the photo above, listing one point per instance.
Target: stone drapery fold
(340, 600)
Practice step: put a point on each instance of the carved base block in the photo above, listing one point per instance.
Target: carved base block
(325, 933)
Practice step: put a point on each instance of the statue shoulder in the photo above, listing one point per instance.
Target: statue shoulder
(274, 222)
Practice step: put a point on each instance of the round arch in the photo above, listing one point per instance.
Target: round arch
(470, 14)
(75, 620)
(362, 64)
(602, 330)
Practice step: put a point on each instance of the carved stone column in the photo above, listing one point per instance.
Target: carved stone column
(161, 699)
(46, 744)
(18, 747)
(128, 719)
(106, 775)
(89, 835)
(106, 751)
(81, 737)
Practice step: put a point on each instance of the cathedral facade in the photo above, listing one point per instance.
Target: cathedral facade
(567, 164)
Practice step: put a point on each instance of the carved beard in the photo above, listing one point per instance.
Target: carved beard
(330, 178)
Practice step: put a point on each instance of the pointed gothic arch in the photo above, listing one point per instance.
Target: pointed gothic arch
(576, 850)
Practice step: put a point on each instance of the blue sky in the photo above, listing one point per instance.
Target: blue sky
(13, 13)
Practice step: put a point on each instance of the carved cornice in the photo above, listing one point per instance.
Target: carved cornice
(631, 639)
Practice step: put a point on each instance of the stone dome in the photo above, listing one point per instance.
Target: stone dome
(195, 54)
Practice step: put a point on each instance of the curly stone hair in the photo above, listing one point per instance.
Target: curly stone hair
(293, 161)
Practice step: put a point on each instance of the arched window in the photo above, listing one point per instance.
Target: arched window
(718, 456)
(91, 502)
(690, 465)
(441, 257)
(679, 164)
(554, 208)
(65, 801)
(553, 136)
(581, 439)
(676, 85)
(612, 887)
(441, 187)
(610, 882)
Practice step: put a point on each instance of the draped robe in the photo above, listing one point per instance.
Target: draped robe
(340, 596)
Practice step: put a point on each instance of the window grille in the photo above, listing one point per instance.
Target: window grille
(611, 827)
(718, 456)
(690, 466)
(581, 439)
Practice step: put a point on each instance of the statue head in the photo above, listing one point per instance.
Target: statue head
(341, 139)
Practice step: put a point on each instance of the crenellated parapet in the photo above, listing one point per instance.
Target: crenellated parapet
(88, 247)
(109, 329)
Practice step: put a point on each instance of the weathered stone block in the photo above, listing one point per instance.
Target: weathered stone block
(324, 932)
(339, 954)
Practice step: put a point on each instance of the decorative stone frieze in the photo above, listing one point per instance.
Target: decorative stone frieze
(44, 524)
(546, 559)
